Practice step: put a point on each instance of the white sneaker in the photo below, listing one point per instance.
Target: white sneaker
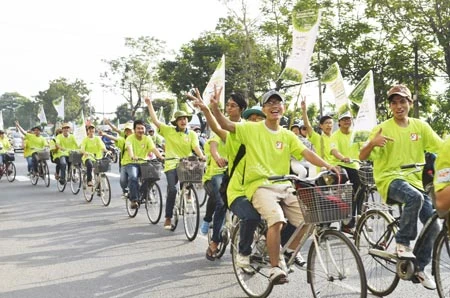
(242, 261)
(404, 252)
(124, 196)
(278, 276)
(425, 280)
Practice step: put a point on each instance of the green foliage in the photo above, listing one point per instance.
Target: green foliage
(17, 107)
(440, 118)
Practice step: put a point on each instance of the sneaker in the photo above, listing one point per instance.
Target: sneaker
(404, 252)
(204, 228)
(277, 276)
(56, 177)
(425, 280)
(168, 224)
(298, 259)
(28, 174)
(347, 230)
(133, 205)
(124, 196)
(62, 181)
(242, 261)
(90, 184)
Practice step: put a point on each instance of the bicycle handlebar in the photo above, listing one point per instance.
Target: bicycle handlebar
(412, 165)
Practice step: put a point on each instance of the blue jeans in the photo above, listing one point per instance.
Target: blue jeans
(63, 161)
(89, 165)
(220, 209)
(249, 220)
(29, 163)
(1, 158)
(416, 205)
(129, 178)
(172, 180)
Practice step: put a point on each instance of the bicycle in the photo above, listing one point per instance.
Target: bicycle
(189, 171)
(101, 186)
(43, 172)
(73, 173)
(149, 191)
(8, 168)
(230, 224)
(334, 267)
(375, 240)
(367, 186)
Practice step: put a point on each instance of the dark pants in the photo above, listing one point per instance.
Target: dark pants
(89, 165)
(220, 209)
(249, 220)
(357, 202)
(172, 180)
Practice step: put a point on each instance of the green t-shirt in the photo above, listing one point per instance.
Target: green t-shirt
(35, 143)
(141, 148)
(212, 168)
(342, 143)
(179, 144)
(66, 143)
(442, 167)
(268, 153)
(5, 145)
(92, 145)
(321, 143)
(409, 146)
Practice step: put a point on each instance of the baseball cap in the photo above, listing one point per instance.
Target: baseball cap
(346, 114)
(270, 94)
(65, 125)
(401, 90)
(128, 126)
(253, 110)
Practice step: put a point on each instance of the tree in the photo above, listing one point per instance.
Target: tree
(17, 107)
(134, 74)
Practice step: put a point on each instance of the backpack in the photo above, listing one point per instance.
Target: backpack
(227, 177)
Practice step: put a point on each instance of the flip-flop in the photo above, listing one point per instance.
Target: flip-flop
(210, 255)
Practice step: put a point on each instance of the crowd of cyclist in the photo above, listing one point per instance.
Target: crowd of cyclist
(248, 145)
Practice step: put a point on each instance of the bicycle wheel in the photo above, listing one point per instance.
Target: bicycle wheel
(335, 268)
(441, 264)
(191, 212)
(34, 178)
(202, 194)
(10, 171)
(61, 187)
(88, 191)
(372, 232)
(253, 280)
(131, 212)
(104, 189)
(75, 179)
(46, 174)
(153, 203)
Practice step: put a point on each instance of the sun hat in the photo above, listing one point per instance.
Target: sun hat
(346, 114)
(269, 94)
(401, 90)
(179, 114)
(65, 125)
(253, 110)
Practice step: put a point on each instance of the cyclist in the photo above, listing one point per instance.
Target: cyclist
(5, 146)
(254, 114)
(442, 178)
(92, 148)
(344, 151)
(54, 153)
(397, 141)
(279, 145)
(65, 142)
(35, 142)
(137, 146)
(180, 141)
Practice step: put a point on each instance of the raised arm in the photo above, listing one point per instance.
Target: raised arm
(100, 133)
(309, 128)
(23, 131)
(113, 127)
(152, 112)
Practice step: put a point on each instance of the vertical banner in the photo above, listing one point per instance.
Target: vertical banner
(59, 107)
(79, 131)
(41, 115)
(305, 29)
(332, 77)
(366, 120)
(1, 120)
(218, 80)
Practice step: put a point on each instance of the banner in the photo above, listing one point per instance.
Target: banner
(218, 80)
(1, 120)
(41, 115)
(364, 95)
(332, 77)
(79, 131)
(305, 29)
(59, 107)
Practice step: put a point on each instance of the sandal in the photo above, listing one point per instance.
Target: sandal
(210, 255)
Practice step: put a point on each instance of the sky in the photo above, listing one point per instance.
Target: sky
(43, 40)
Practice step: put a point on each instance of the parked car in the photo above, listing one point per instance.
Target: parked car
(17, 141)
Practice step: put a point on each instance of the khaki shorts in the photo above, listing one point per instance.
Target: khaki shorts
(277, 202)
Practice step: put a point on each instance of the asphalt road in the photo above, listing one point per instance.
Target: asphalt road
(56, 244)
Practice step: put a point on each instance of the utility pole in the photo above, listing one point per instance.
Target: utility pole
(320, 86)
(416, 80)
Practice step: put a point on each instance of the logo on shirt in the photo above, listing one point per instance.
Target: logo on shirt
(443, 175)
(279, 145)
(414, 136)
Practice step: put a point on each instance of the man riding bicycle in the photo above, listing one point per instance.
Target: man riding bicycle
(5, 146)
(398, 141)
(35, 142)
(64, 142)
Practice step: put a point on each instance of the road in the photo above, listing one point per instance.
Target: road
(57, 245)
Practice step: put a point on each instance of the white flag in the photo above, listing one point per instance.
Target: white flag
(79, 131)
(41, 115)
(1, 119)
(59, 107)
(305, 29)
(332, 77)
(366, 120)
(161, 117)
(218, 80)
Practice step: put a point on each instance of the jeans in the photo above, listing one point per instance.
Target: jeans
(29, 163)
(1, 158)
(34, 162)
(416, 205)
(89, 165)
(63, 161)
(129, 178)
(357, 202)
(220, 208)
(172, 180)
(249, 220)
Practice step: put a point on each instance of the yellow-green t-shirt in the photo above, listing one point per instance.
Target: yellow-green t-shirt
(442, 167)
(35, 143)
(212, 168)
(321, 143)
(66, 143)
(5, 145)
(92, 145)
(141, 148)
(409, 146)
(268, 153)
(342, 143)
(179, 144)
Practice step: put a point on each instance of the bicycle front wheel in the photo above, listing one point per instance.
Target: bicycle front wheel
(46, 174)
(75, 179)
(131, 212)
(61, 187)
(104, 189)
(441, 263)
(335, 268)
(10, 171)
(191, 212)
(153, 203)
(375, 230)
(254, 280)
(88, 191)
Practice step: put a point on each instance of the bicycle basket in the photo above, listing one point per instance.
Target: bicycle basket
(323, 204)
(101, 165)
(365, 174)
(43, 155)
(151, 170)
(75, 157)
(190, 170)
(9, 157)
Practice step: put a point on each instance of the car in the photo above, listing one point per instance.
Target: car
(17, 141)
